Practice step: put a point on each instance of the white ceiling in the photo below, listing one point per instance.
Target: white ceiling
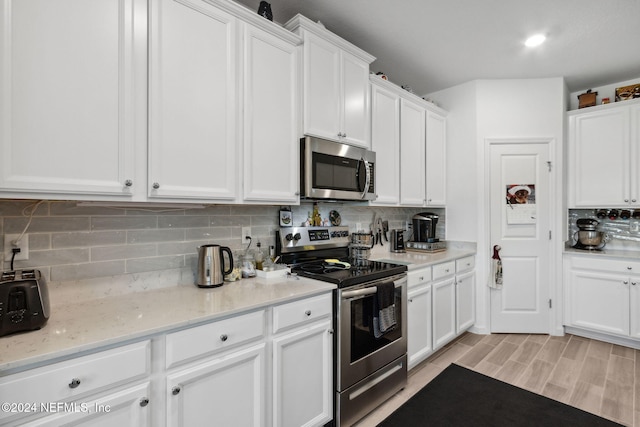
(431, 45)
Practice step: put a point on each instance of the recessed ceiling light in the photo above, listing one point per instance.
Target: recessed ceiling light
(535, 40)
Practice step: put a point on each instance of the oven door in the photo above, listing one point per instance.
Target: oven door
(359, 352)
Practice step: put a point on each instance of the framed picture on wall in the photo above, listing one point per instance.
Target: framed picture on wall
(286, 218)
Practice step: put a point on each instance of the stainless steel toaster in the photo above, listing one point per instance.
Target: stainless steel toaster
(24, 301)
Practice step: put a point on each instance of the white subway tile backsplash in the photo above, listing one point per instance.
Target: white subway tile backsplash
(69, 242)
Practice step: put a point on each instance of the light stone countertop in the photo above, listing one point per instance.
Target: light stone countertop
(604, 253)
(88, 324)
(416, 260)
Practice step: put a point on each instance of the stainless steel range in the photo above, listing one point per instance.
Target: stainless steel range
(369, 365)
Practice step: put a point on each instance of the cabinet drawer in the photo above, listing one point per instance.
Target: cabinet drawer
(202, 340)
(465, 264)
(303, 311)
(443, 270)
(611, 265)
(66, 380)
(419, 276)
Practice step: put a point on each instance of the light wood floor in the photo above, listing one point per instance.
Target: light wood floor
(597, 377)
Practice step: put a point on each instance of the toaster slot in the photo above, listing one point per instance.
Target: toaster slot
(7, 275)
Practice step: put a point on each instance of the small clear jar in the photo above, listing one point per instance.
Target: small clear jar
(248, 265)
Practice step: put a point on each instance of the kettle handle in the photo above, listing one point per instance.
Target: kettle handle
(228, 251)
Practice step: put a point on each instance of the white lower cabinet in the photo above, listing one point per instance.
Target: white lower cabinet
(226, 390)
(444, 311)
(419, 330)
(105, 388)
(603, 295)
(303, 363)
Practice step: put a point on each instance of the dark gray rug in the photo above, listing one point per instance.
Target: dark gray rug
(462, 397)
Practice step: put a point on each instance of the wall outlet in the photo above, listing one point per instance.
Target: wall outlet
(8, 246)
(246, 231)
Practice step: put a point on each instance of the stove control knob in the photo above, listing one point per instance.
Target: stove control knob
(289, 237)
(297, 237)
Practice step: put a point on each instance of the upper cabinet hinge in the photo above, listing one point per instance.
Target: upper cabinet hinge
(550, 238)
(549, 166)
(550, 303)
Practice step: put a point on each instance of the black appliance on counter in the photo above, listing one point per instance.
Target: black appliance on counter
(424, 234)
(367, 369)
(24, 301)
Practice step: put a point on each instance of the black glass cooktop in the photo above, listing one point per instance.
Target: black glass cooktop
(343, 276)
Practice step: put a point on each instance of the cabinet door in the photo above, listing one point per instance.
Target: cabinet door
(635, 155)
(634, 307)
(302, 377)
(227, 391)
(436, 159)
(465, 301)
(444, 312)
(598, 301)
(355, 102)
(599, 158)
(192, 101)
(321, 88)
(412, 149)
(419, 334)
(128, 407)
(385, 142)
(270, 161)
(69, 116)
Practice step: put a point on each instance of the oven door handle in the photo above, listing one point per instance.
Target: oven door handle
(369, 290)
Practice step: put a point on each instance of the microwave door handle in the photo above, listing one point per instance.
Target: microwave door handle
(367, 181)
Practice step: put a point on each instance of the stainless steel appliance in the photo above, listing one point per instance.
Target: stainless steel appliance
(424, 234)
(330, 170)
(588, 237)
(367, 370)
(24, 301)
(211, 265)
(397, 241)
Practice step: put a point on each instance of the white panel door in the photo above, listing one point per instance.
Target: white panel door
(270, 159)
(522, 230)
(412, 153)
(385, 142)
(68, 110)
(436, 159)
(322, 88)
(356, 113)
(192, 101)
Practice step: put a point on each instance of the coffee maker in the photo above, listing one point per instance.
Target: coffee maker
(424, 234)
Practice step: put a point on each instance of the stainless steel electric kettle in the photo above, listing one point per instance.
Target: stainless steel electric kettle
(211, 269)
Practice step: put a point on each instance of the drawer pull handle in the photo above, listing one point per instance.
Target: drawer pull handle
(74, 383)
(421, 278)
(144, 401)
(175, 391)
(308, 312)
(223, 337)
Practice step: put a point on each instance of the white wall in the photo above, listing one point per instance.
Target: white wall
(520, 108)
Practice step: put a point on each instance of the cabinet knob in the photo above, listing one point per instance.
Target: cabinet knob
(633, 283)
(626, 282)
(176, 390)
(633, 200)
(144, 401)
(128, 183)
(330, 331)
(74, 383)
(308, 312)
(410, 299)
(339, 134)
(626, 200)
(421, 278)
(155, 185)
(629, 268)
(223, 337)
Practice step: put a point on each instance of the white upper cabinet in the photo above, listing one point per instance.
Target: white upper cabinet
(70, 85)
(436, 161)
(270, 161)
(193, 94)
(412, 153)
(335, 85)
(385, 141)
(604, 157)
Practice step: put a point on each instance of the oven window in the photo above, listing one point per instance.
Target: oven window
(363, 342)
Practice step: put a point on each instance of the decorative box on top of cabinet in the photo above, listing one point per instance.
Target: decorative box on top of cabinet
(335, 85)
(73, 117)
(604, 158)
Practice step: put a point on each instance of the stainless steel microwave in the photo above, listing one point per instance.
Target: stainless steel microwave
(331, 170)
